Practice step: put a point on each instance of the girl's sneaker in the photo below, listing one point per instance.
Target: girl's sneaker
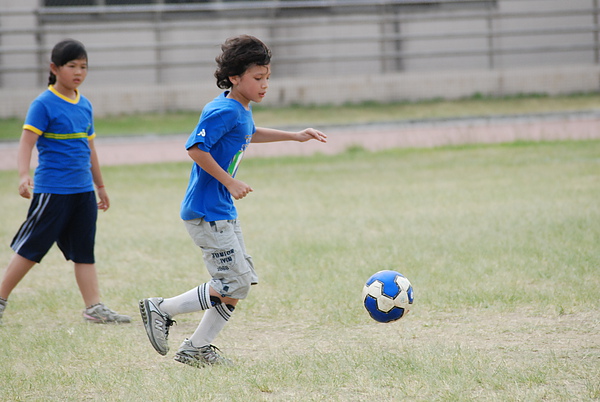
(200, 357)
(101, 314)
(2, 307)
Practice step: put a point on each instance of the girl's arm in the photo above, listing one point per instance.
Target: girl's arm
(26, 144)
(271, 135)
(104, 202)
(237, 188)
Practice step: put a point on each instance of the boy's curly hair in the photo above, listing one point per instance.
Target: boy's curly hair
(238, 54)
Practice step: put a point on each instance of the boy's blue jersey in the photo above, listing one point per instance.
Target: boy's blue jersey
(225, 130)
(65, 126)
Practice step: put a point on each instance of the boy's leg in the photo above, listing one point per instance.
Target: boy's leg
(196, 299)
(199, 298)
(223, 252)
(157, 313)
(206, 354)
(198, 351)
(232, 275)
(212, 323)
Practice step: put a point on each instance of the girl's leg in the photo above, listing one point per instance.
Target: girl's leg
(15, 271)
(87, 280)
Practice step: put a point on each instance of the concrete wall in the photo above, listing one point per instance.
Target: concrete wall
(141, 65)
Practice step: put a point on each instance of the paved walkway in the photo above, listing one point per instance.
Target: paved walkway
(547, 127)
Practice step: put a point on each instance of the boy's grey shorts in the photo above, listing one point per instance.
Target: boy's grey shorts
(222, 245)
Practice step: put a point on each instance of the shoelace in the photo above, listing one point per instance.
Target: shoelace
(168, 323)
(107, 312)
(209, 353)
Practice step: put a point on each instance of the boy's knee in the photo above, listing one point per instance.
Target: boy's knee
(214, 300)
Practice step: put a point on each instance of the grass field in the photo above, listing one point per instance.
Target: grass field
(501, 243)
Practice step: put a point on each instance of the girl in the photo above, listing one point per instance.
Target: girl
(63, 209)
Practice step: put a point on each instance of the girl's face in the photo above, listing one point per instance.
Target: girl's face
(70, 75)
(250, 86)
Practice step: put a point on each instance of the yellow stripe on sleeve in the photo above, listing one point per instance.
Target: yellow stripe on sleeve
(32, 129)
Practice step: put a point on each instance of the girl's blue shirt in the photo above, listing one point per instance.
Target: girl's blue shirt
(65, 127)
(224, 130)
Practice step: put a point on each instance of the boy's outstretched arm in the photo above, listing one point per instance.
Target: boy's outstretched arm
(272, 135)
(237, 188)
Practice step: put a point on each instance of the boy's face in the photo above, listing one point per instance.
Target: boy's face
(252, 85)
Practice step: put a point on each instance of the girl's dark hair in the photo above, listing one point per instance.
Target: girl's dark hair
(64, 52)
(238, 54)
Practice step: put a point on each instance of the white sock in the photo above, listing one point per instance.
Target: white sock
(193, 300)
(212, 323)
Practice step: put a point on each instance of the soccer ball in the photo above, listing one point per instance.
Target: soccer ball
(387, 296)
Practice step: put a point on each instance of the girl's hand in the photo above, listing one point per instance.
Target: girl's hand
(104, 202)
(310, 134)
(25, 186)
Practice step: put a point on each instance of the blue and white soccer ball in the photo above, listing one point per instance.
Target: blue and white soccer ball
(387, 296)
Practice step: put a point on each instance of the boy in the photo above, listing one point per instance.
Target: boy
(224, 131)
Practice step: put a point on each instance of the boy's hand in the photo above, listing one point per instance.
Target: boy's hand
(238, 189)
(25, 186)
(310, 134)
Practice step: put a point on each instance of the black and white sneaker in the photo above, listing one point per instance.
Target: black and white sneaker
(157, 323)
(200, 357)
